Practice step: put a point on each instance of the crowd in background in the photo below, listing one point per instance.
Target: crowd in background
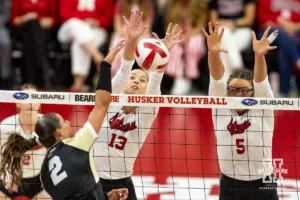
(58, 44)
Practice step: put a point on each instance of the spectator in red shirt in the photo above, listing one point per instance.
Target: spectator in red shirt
(84, 26)
(5, 46)
(285, 16)
(33, 23)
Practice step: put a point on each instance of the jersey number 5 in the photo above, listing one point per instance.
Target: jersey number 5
(240, 146)
(55, 165)
(121, 143)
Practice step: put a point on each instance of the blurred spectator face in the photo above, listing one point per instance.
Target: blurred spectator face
(137, 83)
(240, 88)
(23, 107)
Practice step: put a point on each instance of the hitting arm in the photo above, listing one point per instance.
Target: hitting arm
(103, 93)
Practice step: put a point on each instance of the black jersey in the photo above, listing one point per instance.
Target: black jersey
(68, 170)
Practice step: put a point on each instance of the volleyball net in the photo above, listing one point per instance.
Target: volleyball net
(178, 159)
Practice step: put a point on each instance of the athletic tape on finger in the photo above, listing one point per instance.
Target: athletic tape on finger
(272, 37)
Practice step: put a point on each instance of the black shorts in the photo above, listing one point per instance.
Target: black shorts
(109, 185)
(29, 188)
(232, 189)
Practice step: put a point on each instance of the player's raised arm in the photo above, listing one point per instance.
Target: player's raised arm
(260, 48)
(103, 90)
(214, 38)
(134, 31)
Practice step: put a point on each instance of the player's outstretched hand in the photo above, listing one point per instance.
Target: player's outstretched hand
(173, 36)
(114, 51)
(214, 39)
(134, 27)
(118, 194)
(262, 46)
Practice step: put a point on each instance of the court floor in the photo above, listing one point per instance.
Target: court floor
(179, 160)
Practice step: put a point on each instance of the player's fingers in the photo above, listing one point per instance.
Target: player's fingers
(222, 33)
(272, 36)
(267, 32)
(136, 15)
(272, 47)
(131, 18)
(174, 30)
(205, 33)
(155, 35)
(210, 28)
(140, 17)
(253, 36)
(216, 28)
(178, 41)
(125, 20)
(224, 50)
(178, 35)
(169, 28)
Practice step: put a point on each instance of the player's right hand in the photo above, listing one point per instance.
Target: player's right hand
(214, 39)
(118, 194)
(114, 51)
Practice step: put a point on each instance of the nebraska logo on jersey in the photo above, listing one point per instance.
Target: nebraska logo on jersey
(118, 124)
(235, 128)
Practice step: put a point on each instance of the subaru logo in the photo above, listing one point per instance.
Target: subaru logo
(20, 95)
(249, 102)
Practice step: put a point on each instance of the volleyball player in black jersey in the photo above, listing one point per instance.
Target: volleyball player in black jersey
(68, 170)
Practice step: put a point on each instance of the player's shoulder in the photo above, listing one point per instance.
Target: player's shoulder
(87, 130)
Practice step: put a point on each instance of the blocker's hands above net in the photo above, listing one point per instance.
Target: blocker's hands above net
(134, 27)
(214, 39)
(114, 51)
(173, 36)
(262, 46)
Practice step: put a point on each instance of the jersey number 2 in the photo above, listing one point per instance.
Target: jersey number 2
(55, 165)
(240, 146)
(121, 143)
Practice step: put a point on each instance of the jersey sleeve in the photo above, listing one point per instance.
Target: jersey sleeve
(218, 87)
(263, 89)
(122, 76)
(84, 138)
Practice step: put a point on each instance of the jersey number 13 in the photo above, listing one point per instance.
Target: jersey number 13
(55, 166)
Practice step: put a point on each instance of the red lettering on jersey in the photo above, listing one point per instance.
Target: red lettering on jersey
(26, 160)
(118, 124)
(235, 128)
(38, 147)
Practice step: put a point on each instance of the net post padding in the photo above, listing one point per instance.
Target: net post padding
(152, 100)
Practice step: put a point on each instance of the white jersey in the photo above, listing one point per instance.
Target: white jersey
(243, 141)
(33, 159)
(122, 135)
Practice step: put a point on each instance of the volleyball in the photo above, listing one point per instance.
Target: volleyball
(151, 54)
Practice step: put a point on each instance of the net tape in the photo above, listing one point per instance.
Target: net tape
(152, 100)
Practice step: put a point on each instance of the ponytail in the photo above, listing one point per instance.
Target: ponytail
(12, 153)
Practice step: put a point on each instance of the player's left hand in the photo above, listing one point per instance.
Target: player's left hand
(114, 51)
(118, 194)
(173, 36)
(262, 46)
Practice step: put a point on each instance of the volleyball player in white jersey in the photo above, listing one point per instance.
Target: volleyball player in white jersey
(125, 128)
(24, 123)
(244, 137)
